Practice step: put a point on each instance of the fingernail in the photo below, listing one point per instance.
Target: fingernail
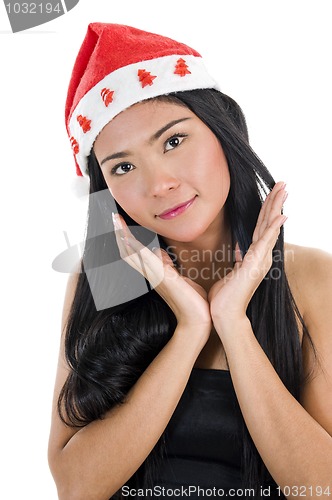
(279, 185)
(283, 220)
(115, 221)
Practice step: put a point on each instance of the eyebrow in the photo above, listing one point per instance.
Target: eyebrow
(154, 137)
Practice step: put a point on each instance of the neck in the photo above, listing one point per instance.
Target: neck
(209, 257)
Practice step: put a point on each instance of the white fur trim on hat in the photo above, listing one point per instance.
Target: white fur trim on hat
(129, 85)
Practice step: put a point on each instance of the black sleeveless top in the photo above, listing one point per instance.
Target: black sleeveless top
(203, 443)
(203, 436)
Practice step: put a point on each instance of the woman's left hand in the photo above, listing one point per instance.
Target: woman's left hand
(229, 297)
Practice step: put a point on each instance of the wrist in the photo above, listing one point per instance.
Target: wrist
(230, 326)
(193, 335)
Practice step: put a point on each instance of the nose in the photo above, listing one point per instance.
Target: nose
(160, 181)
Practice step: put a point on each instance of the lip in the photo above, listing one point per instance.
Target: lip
(170, 213)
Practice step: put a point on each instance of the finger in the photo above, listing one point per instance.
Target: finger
(129, 247)
(262, 211)
(120, 226)
(133, 245)
(259, 258)
(272, 231)
(259, 254)
(278, 187)
(267, 210)
(120, 235)
(263, 247)
(262, 216)
(139, 257)
(276, 205)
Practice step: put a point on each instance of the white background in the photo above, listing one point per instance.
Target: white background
(274, 58)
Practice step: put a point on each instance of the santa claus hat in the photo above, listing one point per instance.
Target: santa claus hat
(118, 66)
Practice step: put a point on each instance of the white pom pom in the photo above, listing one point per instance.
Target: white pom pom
(80, 186)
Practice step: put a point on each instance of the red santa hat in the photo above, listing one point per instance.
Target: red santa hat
(118, 66)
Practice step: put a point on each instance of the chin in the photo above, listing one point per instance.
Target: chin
(185, 234)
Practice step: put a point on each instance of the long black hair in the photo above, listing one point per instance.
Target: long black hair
(108, 347)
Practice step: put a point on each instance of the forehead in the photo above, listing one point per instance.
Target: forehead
(146, 116)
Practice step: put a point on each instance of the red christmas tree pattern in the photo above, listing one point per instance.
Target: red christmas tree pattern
(74, 145)
(145, 77)
(181, 68)
(84, 122)
(107, 96)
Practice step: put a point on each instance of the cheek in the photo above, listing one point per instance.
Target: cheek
(120, 195)
(214, 170)
(222, 165)
(127, 199)
(219, 184)
(225, 179)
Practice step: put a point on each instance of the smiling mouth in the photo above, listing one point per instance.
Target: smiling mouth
(170, 213)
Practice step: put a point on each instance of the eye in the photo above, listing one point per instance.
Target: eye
(174, 141)
(122, 169)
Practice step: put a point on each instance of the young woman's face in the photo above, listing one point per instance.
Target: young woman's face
(165, 168)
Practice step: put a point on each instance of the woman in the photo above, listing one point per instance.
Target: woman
(196, 353)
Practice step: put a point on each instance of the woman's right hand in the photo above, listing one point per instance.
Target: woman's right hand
(187, 299)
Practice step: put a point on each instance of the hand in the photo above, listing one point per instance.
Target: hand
(187, 299)
(229, 297)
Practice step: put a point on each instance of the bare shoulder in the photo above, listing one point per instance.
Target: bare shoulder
(309, 271)
(307, 261)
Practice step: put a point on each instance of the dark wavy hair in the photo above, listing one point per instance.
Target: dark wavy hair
(108, 349)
